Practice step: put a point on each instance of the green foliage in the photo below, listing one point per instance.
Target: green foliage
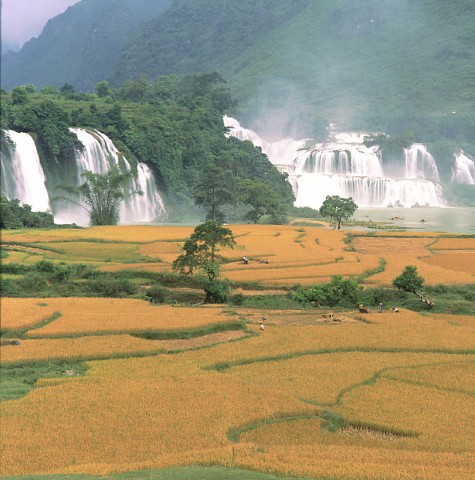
(409, 280)
(212, 192)
(157, 294)
(110, 286)
(338, 208)
(200, 252)
(217, 290)
(201, 249)
(333, 421)
(100, 195)
(14, 215)
(339, 292)
(18, 379)
(264, 200)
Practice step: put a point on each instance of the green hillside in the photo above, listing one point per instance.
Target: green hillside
(364, 64)
(388, 65)
(80, 46)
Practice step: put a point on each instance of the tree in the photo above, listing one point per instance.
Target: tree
(67, 90)
(409, 280)
(263, 199)
(100, 195)
(13, 215)
(102, 89)
(338, 208)
(200, 253)
(212, 192)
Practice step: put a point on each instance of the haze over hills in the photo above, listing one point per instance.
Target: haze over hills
(377, 64)
(81, 46)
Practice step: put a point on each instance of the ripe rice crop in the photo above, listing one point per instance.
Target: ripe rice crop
(455, 244)
(253, 403)
(19, 313)
(459, 261)
(296, 274)
(457, 376)
(94, 251)
(432, 274)
(80, 348)
(392, 246)
(150, 411)
(111, 315)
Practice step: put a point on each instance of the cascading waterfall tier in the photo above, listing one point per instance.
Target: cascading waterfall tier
(344, 166)
(464, 169)
(23, 177)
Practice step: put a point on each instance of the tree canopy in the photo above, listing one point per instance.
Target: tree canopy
(409, 280)
(338, 208)
(264, 200)
(100, 195)
(200, 252)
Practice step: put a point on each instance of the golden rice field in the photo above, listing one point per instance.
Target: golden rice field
(104, 315)
(295, 255)
(404, 382)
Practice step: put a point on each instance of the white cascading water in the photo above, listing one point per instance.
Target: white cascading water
(464, 169)
(22, 174)
(23, 178)
(420, 163)
(99, 156)
(344, 166)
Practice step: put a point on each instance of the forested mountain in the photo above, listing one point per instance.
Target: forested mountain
(390, 65)
(174, 126)
(80, 46)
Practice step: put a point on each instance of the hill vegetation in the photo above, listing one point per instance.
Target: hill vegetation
(175, 126)
(384, 65)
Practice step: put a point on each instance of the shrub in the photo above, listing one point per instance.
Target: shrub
(339, 292)
(157, 294)
(409, 280)
(216, 290)
(110, 287)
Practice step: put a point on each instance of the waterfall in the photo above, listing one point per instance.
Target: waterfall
(22, 174)
(420, 163)
(23, 178)
(344, 166)
(99, 156)
(464, 169)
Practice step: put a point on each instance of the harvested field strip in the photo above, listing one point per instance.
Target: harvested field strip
(317, 421)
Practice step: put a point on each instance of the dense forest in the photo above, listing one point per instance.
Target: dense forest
(175, 126)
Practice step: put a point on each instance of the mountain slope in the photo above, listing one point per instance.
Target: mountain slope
(80, 46)
(352, 61)
(391, 65)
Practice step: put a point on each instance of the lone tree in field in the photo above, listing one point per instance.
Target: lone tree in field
(338, 208)
(100, 195)
(409, 280)
(200, 252)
